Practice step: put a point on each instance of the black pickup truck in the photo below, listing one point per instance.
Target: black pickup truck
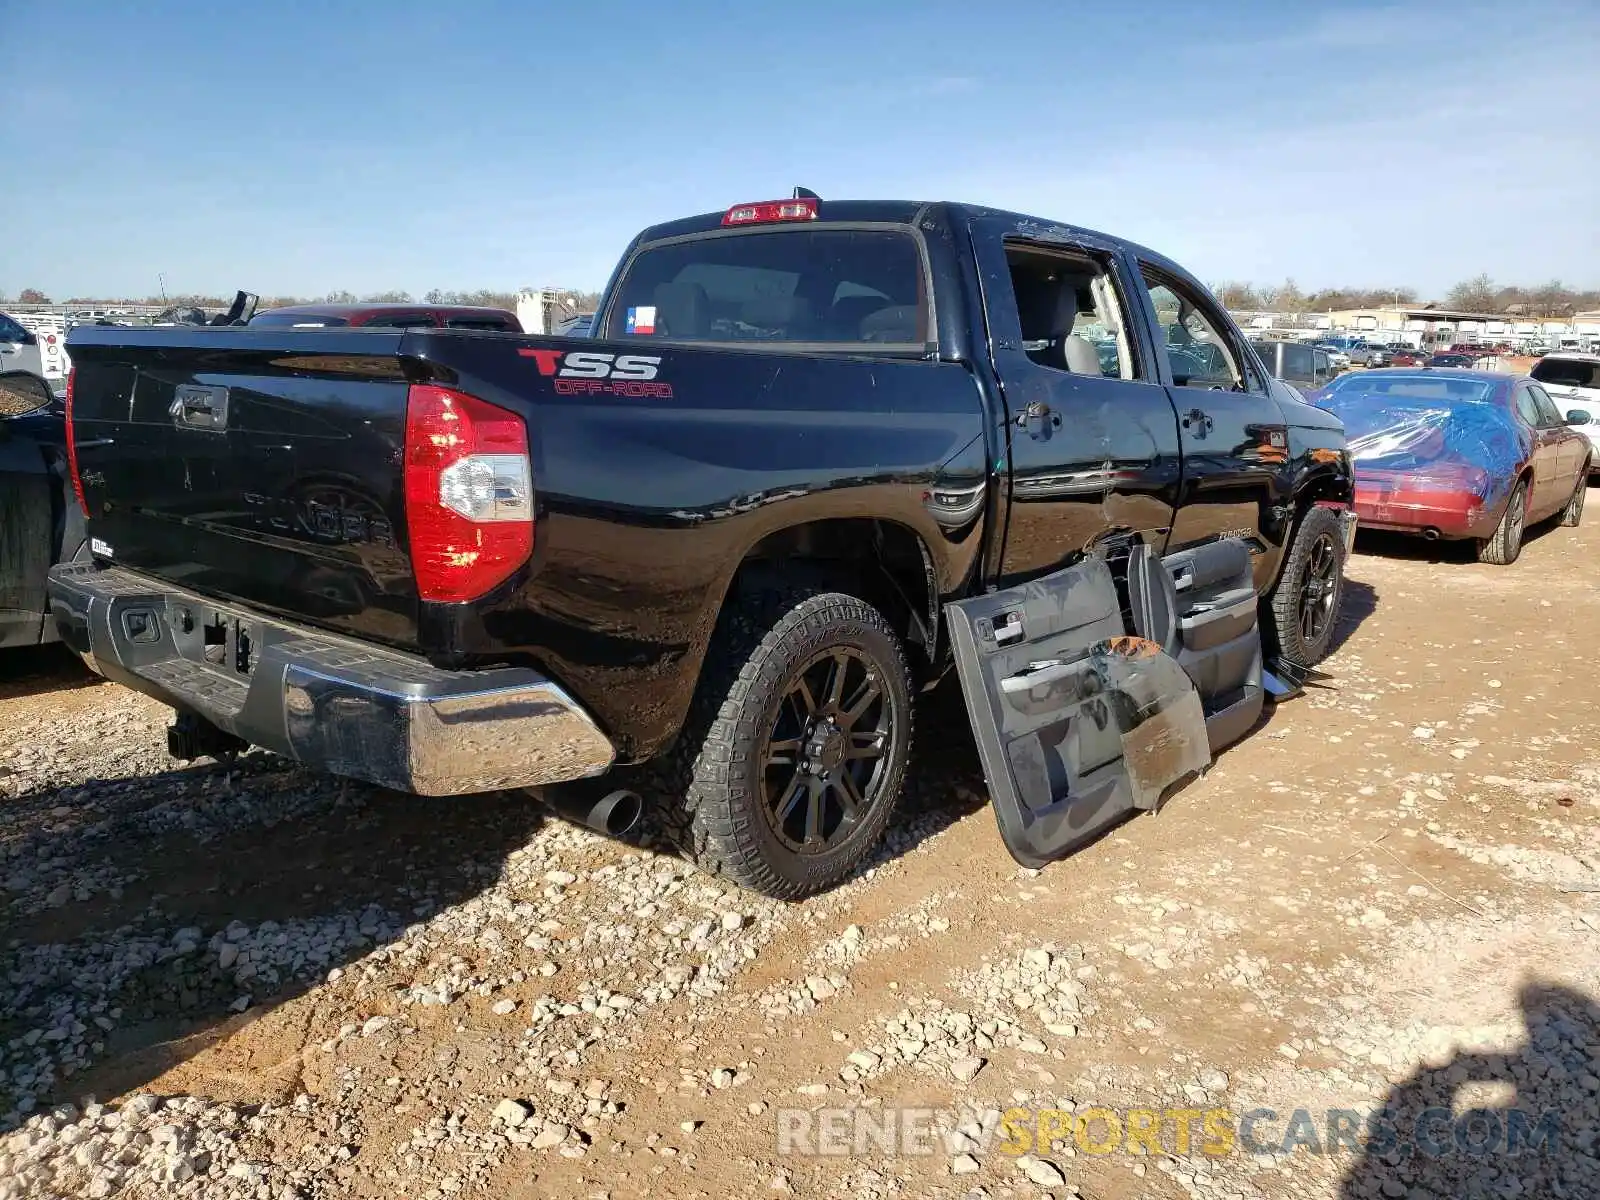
(812, 455)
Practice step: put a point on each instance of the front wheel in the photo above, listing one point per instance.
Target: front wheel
(1305, 604)
(1505, 544)
(806, 749)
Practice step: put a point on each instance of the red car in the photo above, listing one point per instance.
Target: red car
(1406, 358)
(1474, 455)
(394, 316)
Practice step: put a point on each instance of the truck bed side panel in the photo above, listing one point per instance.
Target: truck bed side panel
(649, 503)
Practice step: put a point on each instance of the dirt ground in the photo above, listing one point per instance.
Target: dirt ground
(270, 984)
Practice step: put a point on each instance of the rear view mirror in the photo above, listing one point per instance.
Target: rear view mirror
(1576, 416)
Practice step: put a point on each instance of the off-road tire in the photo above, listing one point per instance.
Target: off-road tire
(713, 782)
(1283, 634)
(1572, 514)
(1502, 548)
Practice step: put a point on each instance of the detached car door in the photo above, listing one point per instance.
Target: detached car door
(1077, 725)
(1084, 713)
(29, 501)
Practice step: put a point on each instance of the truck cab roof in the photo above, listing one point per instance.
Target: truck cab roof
(912, 212)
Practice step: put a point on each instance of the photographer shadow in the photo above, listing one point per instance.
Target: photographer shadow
(1540, 1137)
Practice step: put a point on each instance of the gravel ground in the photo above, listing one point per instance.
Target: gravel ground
(249, 981)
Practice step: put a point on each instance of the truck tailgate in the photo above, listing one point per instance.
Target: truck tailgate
(261, 466)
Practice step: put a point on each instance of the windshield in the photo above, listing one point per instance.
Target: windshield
(796, 285)
(1567, 372)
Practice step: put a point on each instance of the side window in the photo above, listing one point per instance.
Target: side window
(1321, 366)
(1197, 347)
(1071, 314)
(1549, 415)
(21, 394)
(10, 331)
(1527, 407)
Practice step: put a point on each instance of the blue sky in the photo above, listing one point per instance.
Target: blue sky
(293, 147)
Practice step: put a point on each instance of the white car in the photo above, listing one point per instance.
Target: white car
(1572, 380)
(19, 348)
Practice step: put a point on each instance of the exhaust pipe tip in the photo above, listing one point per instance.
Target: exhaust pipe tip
(616, 814)
(1430, 534)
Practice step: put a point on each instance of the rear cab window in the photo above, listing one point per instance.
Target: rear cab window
(1299, 363)
(812, 286)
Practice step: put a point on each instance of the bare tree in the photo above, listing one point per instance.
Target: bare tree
(1551, 300)
(1240, 297)
(396, 296)
(32, 296)
(1287, 298)
(1473, 295)
(339, 297)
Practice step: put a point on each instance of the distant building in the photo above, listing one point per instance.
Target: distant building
(1429, 325)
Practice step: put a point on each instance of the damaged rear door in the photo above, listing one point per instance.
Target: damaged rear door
(1088, 702)
(1078, 724)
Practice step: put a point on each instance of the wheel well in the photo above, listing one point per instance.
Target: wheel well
(1326, 486)
(882, 562)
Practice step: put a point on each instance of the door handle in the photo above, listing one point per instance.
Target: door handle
(1036, 417)
(1197, 421)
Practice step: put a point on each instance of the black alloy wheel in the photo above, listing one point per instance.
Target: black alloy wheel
(827, 752)
(1319, 588)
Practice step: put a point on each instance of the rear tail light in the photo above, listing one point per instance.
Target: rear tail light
(469, 493)
(771, 210)
(72, 447)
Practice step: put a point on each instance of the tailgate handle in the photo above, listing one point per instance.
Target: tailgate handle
(195, 406)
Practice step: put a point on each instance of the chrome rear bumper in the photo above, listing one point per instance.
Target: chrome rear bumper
(329, 702)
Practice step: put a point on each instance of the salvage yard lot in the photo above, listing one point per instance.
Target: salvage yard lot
(286, 985)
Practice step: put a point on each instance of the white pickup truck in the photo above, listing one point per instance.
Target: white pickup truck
(36, 345)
